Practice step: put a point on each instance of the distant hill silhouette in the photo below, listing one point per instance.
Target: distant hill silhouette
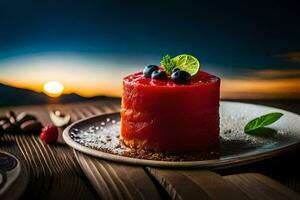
(12, 96)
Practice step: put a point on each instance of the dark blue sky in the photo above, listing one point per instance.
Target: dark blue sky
(247, 34)
(90, 45)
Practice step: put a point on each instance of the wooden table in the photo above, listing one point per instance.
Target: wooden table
(57, 171)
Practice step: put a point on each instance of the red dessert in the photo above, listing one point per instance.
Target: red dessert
(159, 115)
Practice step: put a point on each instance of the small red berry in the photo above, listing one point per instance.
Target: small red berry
(49, 134)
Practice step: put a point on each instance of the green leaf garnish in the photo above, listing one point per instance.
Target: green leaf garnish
(168, 64)
(183, 62)
(265, 132)
(262, 121)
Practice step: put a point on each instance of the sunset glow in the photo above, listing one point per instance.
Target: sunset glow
(53, 88)
(90, 76)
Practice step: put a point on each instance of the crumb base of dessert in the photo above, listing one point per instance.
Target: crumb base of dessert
(143, 146)
(152, 154)
(208, 154)
(109, 141)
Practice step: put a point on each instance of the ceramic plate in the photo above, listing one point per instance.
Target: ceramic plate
(12, 180)
(99, 136)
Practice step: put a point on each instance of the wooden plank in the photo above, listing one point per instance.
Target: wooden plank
(195, 184)
(112, 180)
(54, 172)
(117, 181)
(275, 185)
(52, 169)
(178, 186)
(257, 186)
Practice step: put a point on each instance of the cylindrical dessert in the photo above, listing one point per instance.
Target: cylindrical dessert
(162, 116)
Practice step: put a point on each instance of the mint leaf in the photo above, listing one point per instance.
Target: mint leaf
(265, 132)
(262, 121)
(168, 64)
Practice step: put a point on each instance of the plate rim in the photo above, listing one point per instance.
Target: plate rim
(13, 176)
(212, 164)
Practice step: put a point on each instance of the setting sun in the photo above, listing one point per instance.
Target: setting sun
(53, 88)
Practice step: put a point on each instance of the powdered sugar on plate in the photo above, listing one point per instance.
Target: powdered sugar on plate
(104, 136)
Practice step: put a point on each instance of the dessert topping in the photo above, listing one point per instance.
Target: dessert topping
(149, 69)
(260, 122)
(175, 69)
(187, 63)
(168, 64)
(159, 74)
(180, 69)
(181, 77)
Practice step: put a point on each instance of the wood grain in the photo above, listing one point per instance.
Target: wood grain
(116, 181)
(56, 172)
(257, 186)
(53, 170)
(196, 184)
(112, 180)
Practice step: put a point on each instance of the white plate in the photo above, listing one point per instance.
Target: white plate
(236, 147)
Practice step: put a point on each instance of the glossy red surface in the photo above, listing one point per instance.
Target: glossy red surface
(163, 116)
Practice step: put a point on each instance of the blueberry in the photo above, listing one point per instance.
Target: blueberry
(149, 69)
(175, 69)
(160, 75)
(181, 77)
